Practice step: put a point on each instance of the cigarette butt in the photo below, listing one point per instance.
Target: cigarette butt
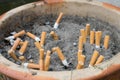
(48, 53)
(23, 48)
(93, 58)
(47, 63)
(87, 29)
(80, 45)
(21, 43)
(19, 33)
(92, 37)
(54, 49)
(106, 41)
(59, 18)
(99, 60)
(43, 37)
(100, 35)
(37, 44)
(97, 40)
(79, 66)
(82, 59)
(78, 55)
(41, 53)
(31, 60)
(41, 64)
(22, 58)
(54, 35)
(12, 54)
(16, 43)
(83, 34)
(31, 65)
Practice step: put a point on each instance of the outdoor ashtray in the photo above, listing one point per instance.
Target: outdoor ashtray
(107, 70)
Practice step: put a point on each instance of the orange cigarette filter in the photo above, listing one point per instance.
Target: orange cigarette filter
(97, 39)
(87, 29)
(22, 58)
(78, 55)
(30, 35)
(48, 53)
(54, 35)
(100, 35)
(12, 54)
(42, 54)
(19, 33)
(92, 37)
(80, 45)
(93, 58)
(99, 60)
(23, 48)
(79, 66)
(83, 34)
(53, 49)
(106, 41)
(60, 54)
(16, 43)
(21, 43)
(31, 65)
(43, 37)
(59, 18)
(47, 63)
(41, 65)
(37, 44)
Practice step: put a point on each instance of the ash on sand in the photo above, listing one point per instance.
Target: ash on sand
(69, 32)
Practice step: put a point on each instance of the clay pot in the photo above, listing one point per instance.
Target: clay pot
(108, 70)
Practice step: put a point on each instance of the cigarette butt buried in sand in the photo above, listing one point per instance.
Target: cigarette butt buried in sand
(41, 65)
(92, 37)
(61, 56)
(42, 54)
(80, 45)
(58, 21)
(33, 36)
(79, 66)
(16, 43)
(16, 35)
(87, 29)
(106, 41)
(99, 60)
(47, 63)
(23, 48)
(22, 58)
(93, 58)
(97, 39)
(83, 34)
(31, 65)
(12, 54)
(43, 37)
(37, 44)
(54, 35)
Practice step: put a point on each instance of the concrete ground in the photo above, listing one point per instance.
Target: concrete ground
(114, 2)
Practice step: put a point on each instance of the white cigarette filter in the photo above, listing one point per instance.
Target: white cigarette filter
(16, 35)
(31, 65)
(92, 37)
(41, 53)
(41, 65)
(47, 63)
(94, 58)
(61, 56)
(54, 35)
(23, 48)
(12, 54)
(97, 39)
(83, 34)
(43, 37)
(106, 41)
(33, 36)
(99, 60)
(80, 45)
(58, 21)
(16, 43)
(87, 29)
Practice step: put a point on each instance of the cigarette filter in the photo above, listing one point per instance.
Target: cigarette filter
(106, 41)
(48, 53)
(16, 43)
(41, 64)
(23, 48)
(33, 36)
(31, 65)
(92, 37)
(21, 43)
(100, 35)
(19, 33)
(47, 63)
(83, 34)
(37, 44)
(43, 37)
(78, 55)
(93, 58)
(79, 66)
(80, 45)
(99, 60)
(58, 21)
(12, 54)
(54, 35)
(22, 58)
(97, 40)
(42, 54)
(87, 29)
